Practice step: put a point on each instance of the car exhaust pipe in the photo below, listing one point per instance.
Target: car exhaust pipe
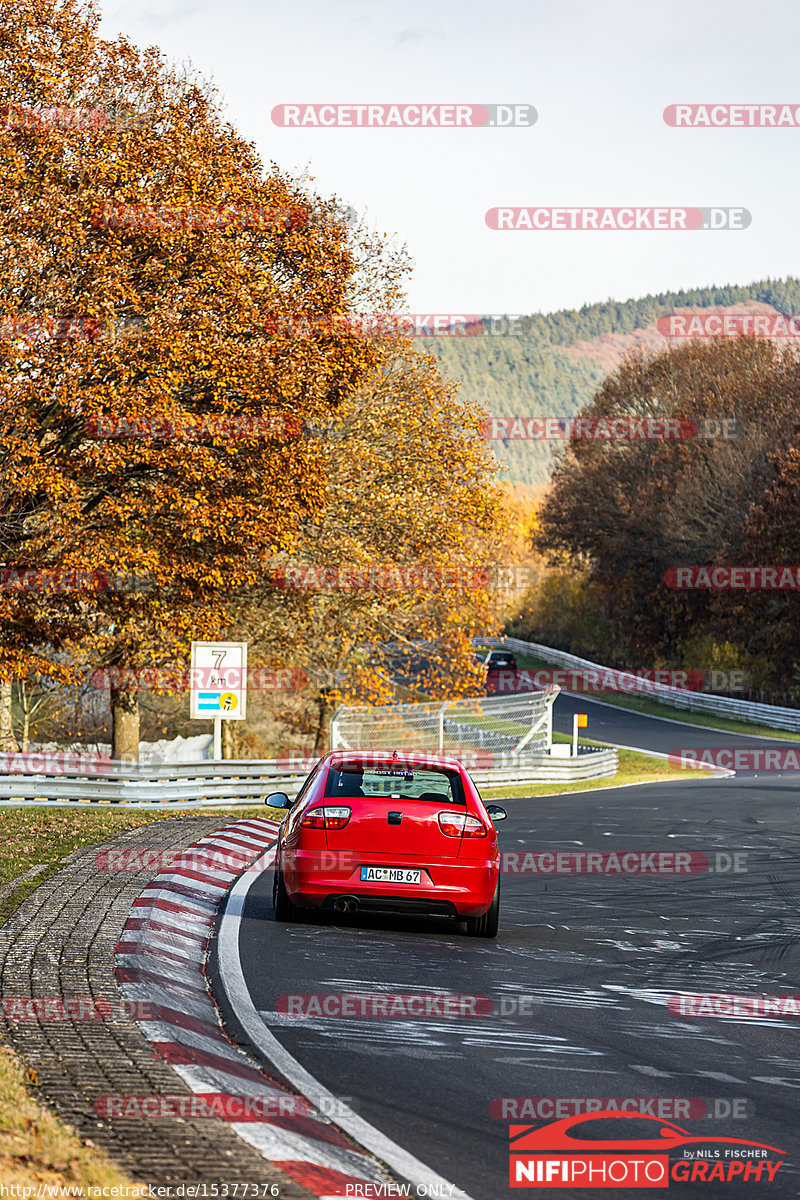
(346, 904)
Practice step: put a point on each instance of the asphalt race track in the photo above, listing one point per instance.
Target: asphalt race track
(609, 723)
(580, 976)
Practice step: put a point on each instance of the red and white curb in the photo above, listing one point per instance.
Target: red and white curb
(160, 962)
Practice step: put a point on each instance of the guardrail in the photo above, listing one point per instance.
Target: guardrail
(231, 782)
(200, 784)
(702, 702)
(541, 768)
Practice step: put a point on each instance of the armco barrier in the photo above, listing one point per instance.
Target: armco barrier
(199, 784)
(541, 768)
(223, 784)
(721, 706)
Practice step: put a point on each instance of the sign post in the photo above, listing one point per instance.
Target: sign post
(218, 685)
(579, 721)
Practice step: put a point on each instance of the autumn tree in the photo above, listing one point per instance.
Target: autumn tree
(400, 555)
(768, 622)
(623, 511)
(169, 252)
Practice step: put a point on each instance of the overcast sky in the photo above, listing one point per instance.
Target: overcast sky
(599, 73)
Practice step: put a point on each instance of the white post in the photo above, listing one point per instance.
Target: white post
(575, 736)
(217, 739)
(442, 711)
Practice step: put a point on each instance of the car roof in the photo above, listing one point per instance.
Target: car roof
(405, 758)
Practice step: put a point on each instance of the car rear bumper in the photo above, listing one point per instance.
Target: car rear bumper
(447, 887)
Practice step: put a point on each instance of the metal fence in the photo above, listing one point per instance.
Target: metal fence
(521, 724)
(701, 702)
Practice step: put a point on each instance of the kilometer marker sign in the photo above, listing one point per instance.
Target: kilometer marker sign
(218, 680)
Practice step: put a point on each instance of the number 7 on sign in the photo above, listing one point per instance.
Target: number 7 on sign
(216, 671)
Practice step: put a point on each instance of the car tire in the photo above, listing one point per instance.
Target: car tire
(487, 925)
(284, 909)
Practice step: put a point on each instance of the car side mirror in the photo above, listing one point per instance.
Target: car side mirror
(278, 800)
(496, 812)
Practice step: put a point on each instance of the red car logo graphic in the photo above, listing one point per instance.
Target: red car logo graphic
(527, 1139)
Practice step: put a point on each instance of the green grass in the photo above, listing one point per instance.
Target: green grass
(33, 836)
(633, 768)
(651, 708)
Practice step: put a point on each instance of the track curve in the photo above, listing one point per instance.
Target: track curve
(579, 977)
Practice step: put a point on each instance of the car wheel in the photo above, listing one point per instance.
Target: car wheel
(487, 925)
(284, 909)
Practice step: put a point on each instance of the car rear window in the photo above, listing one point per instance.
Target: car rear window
(395, 783)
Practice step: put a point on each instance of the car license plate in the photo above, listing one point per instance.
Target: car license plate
(389, 875)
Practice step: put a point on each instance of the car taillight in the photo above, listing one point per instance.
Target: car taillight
(461, 825)
(326, 818)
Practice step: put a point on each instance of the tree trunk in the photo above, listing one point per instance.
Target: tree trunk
(125, 725)
(7, 739)
(229, 739)
(323, 738)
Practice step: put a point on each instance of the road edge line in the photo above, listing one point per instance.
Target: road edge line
(230, 978)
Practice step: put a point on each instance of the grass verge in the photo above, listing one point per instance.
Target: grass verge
(633, 768)
(31, 837)
(36, 1149)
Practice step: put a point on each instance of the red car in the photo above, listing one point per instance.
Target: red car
(384, 832)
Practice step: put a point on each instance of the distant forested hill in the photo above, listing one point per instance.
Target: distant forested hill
(558, 360)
